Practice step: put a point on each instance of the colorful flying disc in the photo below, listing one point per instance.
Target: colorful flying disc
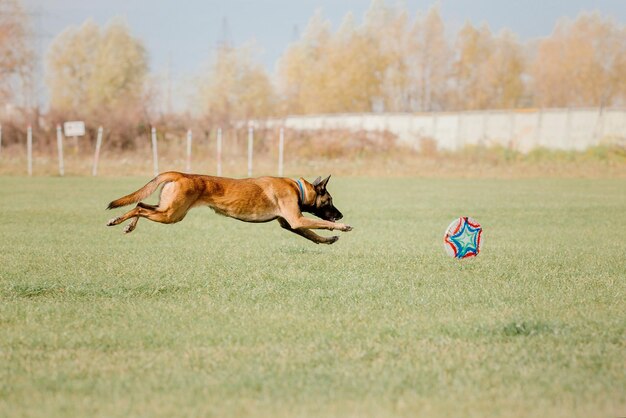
(463, 238)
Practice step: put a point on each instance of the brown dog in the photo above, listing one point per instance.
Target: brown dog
(250, 200)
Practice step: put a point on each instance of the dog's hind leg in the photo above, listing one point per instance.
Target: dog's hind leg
(308, 234)
(134, 213)
(133, 223)
(167, 216)
(172, 208)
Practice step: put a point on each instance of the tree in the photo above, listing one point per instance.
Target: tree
(327, 72)
(387, 29)
(70, 65)
(388, 63)
(235, 87)
(98, 75)
(488, 71)
(93, 72)
(583, 63)
(16, 54)
(429, 67)
(473, 48)
(303, 68)
(504, 71)
(120, 69)
(353, 71)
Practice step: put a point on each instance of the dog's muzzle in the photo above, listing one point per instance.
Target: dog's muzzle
(335, 218)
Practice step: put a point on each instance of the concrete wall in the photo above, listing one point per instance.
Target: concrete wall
(522, 130)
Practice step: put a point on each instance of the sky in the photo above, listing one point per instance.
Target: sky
(180, 36)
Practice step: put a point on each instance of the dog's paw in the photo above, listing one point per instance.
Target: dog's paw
(331, 240)
(112, 222)
(129, 228)
(342, 227)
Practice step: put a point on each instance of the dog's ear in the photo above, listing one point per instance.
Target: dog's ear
(321, 184)
(317, 181)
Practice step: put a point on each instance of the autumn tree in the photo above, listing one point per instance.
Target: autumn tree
(326, 72)
(97, 74)
(385, 28)
(488, 71)
(583, 63)
(303, 69)
(473, 46)
(16, 55)
(430, 60)
(235, 87)
(505, 70)
(353, 70)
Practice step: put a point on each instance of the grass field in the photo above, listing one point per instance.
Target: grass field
(214, 317)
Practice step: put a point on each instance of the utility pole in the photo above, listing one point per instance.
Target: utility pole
(169, 84)
(224, 40)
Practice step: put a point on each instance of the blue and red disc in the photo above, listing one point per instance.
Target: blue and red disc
(463, 238)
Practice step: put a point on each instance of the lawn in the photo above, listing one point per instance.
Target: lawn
(215, 317)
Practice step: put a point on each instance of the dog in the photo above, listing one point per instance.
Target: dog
(256, 200)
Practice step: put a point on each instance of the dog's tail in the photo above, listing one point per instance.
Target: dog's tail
(145, 191)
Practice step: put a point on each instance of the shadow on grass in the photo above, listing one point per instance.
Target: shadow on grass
(528, 328)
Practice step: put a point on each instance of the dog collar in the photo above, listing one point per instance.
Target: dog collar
(301, 191)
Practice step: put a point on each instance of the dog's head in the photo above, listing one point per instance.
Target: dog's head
(323, 206)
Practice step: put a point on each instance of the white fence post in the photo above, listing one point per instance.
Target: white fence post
(155, 153)
(29, 150)
(250, 149)
(219, 151)
(96, 156)
(281, 151)
(189, 150)
(60, 150)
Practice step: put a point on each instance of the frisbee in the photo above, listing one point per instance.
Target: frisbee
(463, 238)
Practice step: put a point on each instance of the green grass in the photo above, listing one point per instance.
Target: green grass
(214, 317)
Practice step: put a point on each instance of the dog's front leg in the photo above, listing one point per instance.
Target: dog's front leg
(304, 223)
(308, 234)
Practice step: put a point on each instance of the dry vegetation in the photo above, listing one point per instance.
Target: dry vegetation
(314, 153)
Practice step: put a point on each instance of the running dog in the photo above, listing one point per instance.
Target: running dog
(262, 199)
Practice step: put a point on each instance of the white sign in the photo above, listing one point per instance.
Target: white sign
(75, 128)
